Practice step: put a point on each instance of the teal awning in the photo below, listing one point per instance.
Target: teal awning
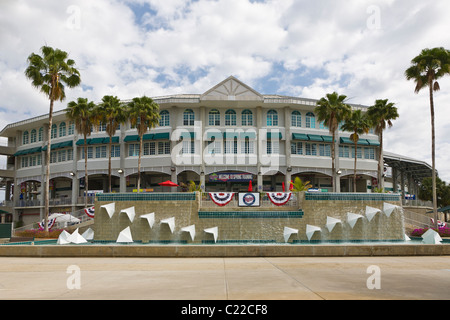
(300, 136)
(28, 151)
(166, 136)
(374, 143)
(132, 138)
(327, 139)
(81, 142)
(347, 141)
(114, 140)
(231, 135)
(315, 138)
(213, 134)
(148, 136)
(249, 135)
(96, 141)
(363, 142)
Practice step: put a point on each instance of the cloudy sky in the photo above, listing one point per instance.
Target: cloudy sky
(298, 48)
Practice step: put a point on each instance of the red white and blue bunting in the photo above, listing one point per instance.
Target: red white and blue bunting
(50, 223)
(90, 212)
(278, 198)
(221, 198)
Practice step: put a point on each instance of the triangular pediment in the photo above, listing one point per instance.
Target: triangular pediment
(233, 90)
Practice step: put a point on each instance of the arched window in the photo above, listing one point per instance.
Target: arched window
(54, 131)
(247, 118)
(310, 120)
(296, 119)
(33, 136)
(41, 134)
(272, 118)
(230, 118)
(164, 120)
(25, 138)
(188, 117)
(62, 129)
(214, 118)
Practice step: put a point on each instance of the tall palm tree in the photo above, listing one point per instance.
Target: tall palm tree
(359, 124)
(112, 113)
(144, 115)
(51, 73)
(331, 110)
(81, 112)
(426, 69)
(381, 115)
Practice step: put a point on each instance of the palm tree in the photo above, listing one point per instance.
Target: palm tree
(144, 115)
(381, 115)
(426, 69)
(332, 110)
(112, 113)
(358, 124)
(299, 186)
(81, 112)
(51, 73)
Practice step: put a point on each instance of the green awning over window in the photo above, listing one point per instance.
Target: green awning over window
(114, 140)
(374, 143)
(231, 135)
(132, 138)
(315, 138)
(214, 134)
(327, 139)
(28, 151)
(363, 142)
(249, 135)
(148, 136)
(81, 142)
(96, 141)
(166, 136)
(300, 136)
(347, 141)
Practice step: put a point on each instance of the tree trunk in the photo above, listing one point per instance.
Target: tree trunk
(381, 164)
(47, 168)
(109, 164)
(433, 155)
(333, 162)
(86, 184)
(141, 140)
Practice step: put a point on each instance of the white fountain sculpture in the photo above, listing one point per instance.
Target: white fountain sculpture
(125, 236)
(407, 238)
(76, 238)
(88, 234)
(214, 231)
(431, 237)
(288, 232)
(170, 222)
(191, 230)
(310, 230)
(150, 219)
(110, 209)
(352, 218)
(62, 239)
(332, 222)
(371, 212)
(130, 212)
(388, 209)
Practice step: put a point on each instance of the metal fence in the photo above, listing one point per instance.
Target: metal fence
(417, 219)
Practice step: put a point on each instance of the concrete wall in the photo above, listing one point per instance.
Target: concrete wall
(268, 226)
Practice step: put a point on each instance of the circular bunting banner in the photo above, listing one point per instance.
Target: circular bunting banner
(90, 212)
(279, 199)
(221, 198)
(50, 222)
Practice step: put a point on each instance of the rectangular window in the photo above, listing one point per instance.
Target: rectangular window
(369, 153)
(311, 149)
(62, 155)
(297, 148)
(273, 147)
(115, 151)
(247, 147)
(344, 152)
(325, 150)
(164, 147)
(133, 150)
(231, 147)
(90, 153)
(69, 154)
(358, 153)
(188, 147)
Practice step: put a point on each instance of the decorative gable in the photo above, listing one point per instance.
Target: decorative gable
(231, 89)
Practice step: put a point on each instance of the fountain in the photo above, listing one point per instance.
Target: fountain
(170, 222)
(125, 236)
(311, 230)
(288, 232)
(130, 212)
(190, 230)
(332, 222)
(214, 231)
(352, 219)
(150, 217)
(371, 212)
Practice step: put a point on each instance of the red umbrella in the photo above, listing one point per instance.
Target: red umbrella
(291, 187)
(250, 187)
(168, 183)
(284, 188)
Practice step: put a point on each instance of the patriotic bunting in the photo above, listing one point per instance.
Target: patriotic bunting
(279, 199)
(50, 222)
(221, 198)
(90, 212)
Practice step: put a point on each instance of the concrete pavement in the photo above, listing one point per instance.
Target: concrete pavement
(225, 278)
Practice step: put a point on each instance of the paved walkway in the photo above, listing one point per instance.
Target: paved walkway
(225, 278)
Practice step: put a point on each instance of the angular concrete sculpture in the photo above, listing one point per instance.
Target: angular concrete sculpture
(407, 238)
(129, 212)
(288, 232)
(214, 231)
(352, 218)
(76, 238)
(431, 237)
(110, 209)
(310, 230)
(191, 230)
(150, 218)
(62, 239)
(88, 234)
(388, 209)
(332, 222)
(371, 212)
(170, 222)
(125, 236)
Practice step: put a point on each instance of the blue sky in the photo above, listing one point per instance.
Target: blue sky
(298, 48)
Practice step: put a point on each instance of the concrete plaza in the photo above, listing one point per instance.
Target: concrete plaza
(333, 278)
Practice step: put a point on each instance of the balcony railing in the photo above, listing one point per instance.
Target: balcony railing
(55, 202)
